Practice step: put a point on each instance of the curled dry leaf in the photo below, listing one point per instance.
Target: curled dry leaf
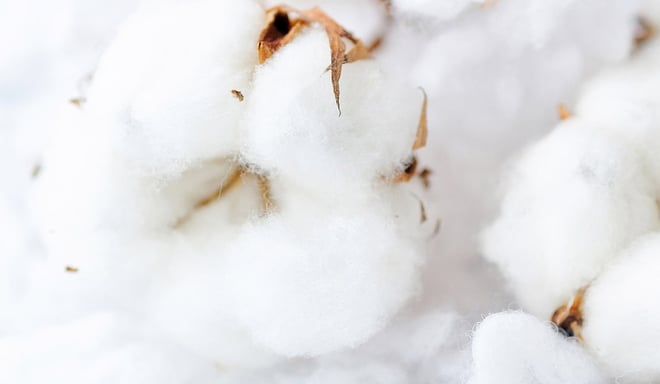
(281, 28)
(568, 318)
(563, 112)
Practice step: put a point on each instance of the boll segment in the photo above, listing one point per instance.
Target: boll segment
(244, 230)
(580, 218)
(293, 129)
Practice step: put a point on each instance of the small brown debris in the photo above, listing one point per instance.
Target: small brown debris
(78, 101)
(238, 94)
(643, 32)
(425, 174)
(36, 171)
(71, 269)
(563, 111)
(422, 213)
(422, 127)
(568, 318)
(408, 172)
(267, 203)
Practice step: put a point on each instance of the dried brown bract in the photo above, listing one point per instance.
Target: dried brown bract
(281, 28)
(568, 318)
(422, 127)
(563, 111)
(643, 32)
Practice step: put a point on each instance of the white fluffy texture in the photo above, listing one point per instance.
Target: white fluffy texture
(625, 100)
(158, 135)
(622, 319)
(573, 201)
(102, 348)
(494, 76)
(293, 128)
(516, 348)
(165, 83)
(553, 238)
(315, 277)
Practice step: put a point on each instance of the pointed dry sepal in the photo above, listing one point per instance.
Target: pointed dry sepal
(564, 113)
(568, 318)
(281, 28)
(422, 127)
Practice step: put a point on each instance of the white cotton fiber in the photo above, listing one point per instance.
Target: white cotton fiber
(315, 277)
(165, 84)
(102, 348)
(293, 128)
(432, 9)
(621, 315)
(625, 100)
(572, 202)
(516, 348)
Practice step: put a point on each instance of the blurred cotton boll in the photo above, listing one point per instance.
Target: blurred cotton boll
(535, 353)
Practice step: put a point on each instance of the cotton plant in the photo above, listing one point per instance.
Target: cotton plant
(577, 232)
(238, 183)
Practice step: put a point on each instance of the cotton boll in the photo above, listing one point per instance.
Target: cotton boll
(316, 277)
(188, 300)
(621, 319)
(166, 81)
(85, 189)
(294, 130)
(624, 100)
(572, 202)
(517, 348)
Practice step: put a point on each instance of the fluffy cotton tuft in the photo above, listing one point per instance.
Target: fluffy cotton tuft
(164, 87)
(621, 318)
(317, 277)
(573, 201)
(516, 348)
(294, 130)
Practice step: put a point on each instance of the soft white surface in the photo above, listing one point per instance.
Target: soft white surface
(494, 74)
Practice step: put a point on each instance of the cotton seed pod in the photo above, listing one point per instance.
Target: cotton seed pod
(293, 129)
(573, 201)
